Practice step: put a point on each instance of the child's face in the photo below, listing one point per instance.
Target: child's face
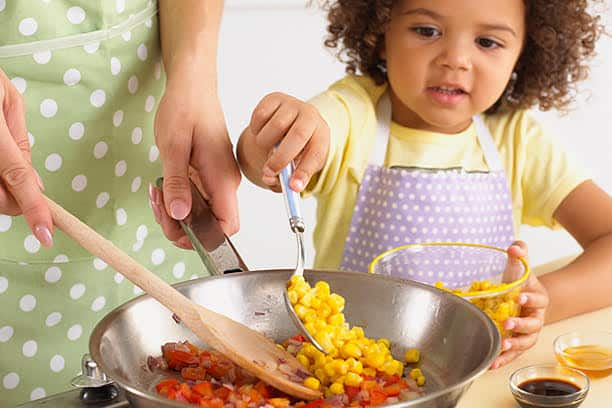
(448, 60)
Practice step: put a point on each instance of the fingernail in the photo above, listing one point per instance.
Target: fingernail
(178, 209)
(267, 172)
(156, 211)
(43, 235)
(522, 299)
(298, 184)
(151, 193)
(510, 324)
(506, 345)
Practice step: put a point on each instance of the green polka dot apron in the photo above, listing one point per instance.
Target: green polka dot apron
(91, 75)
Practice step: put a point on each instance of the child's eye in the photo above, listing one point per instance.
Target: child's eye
(427, 32)
(487, 43)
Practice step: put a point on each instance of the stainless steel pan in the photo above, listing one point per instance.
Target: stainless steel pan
(457, 341)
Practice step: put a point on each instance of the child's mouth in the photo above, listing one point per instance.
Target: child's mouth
(448, 91)
(446, 96)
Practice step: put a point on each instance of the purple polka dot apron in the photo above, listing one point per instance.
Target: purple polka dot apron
(399, 206)
(91, 76)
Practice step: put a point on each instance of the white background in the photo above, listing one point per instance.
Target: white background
(276, 45)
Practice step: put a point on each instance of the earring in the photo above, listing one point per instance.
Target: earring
(513, 76)
(382, 66)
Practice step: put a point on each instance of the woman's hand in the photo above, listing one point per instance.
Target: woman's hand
(192, 138)
(534, 301)
(283, 129)
(20, 185)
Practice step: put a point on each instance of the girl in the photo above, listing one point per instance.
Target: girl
(433, 142)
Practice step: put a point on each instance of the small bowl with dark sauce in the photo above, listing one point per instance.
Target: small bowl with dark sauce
(549, 386)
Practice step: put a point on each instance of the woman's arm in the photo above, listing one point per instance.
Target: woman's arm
(190, 128)
(586, 283)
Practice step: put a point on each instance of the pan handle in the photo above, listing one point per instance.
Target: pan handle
(215, 249)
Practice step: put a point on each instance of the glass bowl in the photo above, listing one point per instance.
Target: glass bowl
(480, 273)
(569, 379)
(587, 350)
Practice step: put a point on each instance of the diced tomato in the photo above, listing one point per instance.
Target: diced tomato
(279, 402)
(299, 337)
(165, 384)
(377, 397)
(314, 404)
(263, 389)
(218, 370)
(390, 379)
(221, 392)
(177, 359)
(351, 391)
(193, 373)
(171, 394)
(204, 388)
(392, 390)
(216, 403)
(368, 384)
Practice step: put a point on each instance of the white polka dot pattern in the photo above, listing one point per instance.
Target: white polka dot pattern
(395, 207)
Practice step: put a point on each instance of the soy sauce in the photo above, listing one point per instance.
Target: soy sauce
(549, 387)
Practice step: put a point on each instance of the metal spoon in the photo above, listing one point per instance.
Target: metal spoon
(296, 223)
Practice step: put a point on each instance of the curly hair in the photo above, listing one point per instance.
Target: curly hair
(560, 39)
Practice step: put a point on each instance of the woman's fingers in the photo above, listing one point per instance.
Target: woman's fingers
(21, 182)
(172, 230)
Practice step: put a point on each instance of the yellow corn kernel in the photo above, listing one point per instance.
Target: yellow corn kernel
(352, 379)
(351, 350)
(310, 316)
(358, 331)
(336, 388)
(375, 360)
(303, 360)
(336, 302)
(315, 303)
(312, 383)
(300, 310)
(354, 366)
(310, 327)
(341, 366)
(320, 374)
(369, 372)
(503, 312)
(415, 373)
(330, 370)
(322, 288)
(293, 297)
(336, 319)
(420, 380)
(324, 311)
(389, 368)
(412, 356)
(384, 341)
(296, 279)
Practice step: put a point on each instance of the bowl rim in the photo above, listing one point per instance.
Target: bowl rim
(557, 349)
(500, 289)
(552, 399)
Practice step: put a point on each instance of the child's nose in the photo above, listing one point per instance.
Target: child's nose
(455, 56)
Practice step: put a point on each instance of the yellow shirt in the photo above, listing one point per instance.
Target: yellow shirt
(540, 173)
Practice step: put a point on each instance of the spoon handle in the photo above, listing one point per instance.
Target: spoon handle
(122, 262)
(292, 200)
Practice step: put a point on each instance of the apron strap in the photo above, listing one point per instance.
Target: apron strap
(383, 129)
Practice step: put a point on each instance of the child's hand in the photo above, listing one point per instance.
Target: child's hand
(527, 327)
(287, 129)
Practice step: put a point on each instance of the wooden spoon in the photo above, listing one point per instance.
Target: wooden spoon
(247, 348)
